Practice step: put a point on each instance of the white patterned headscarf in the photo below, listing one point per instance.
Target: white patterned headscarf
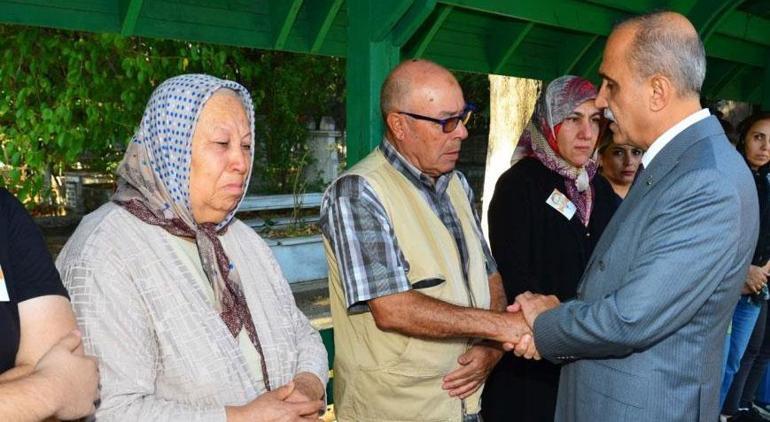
(154, 186)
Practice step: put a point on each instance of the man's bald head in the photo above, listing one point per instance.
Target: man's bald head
(666, 43)
(408, 77)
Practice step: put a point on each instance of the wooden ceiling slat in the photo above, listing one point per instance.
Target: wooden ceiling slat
(129, 11)
(210, 19)
(386, 14)
(736, 51)
(411, 21)
(743, 26)
(421, 40)
(570, 67)
(282, 17)
(322, 14)
(707, 15)
(572, 15)
(504, 41)
(64, 15)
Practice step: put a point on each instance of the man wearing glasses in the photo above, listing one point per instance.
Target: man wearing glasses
(411, 278)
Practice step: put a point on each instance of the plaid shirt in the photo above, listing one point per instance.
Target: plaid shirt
(354, 220)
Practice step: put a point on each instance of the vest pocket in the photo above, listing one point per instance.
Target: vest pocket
(428, 357)
(409, 397)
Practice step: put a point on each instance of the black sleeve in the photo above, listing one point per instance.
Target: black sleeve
(606, 202)
(30, 270)
(510, 223)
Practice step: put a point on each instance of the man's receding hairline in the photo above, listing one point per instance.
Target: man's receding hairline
(398, 86)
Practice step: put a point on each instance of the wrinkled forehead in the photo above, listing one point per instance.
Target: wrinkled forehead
(441, 98)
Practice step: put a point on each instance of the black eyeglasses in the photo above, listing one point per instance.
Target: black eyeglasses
(450, 123)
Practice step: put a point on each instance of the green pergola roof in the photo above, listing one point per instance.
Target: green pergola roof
(537, 39)
(530, 38)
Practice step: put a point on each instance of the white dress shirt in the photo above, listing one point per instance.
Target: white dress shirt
(671, 133)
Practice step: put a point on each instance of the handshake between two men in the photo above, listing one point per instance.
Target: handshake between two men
(519, 338)
(512, 329)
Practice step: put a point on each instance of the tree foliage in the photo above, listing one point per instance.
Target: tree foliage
(72, 97)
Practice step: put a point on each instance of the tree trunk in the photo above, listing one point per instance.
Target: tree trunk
(512, 101)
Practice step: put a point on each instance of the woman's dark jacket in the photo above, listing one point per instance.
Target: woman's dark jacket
(536, 249)
(762, 251)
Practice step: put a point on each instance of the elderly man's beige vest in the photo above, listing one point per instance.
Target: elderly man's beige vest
(386, 376)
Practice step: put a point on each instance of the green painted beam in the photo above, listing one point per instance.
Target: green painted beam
(59, 16)
(414, 17)
(726, 79)
(428, 32)
(714, 84)
(573, 15)
(737, 51)
(707, 15)
(765, 100)
(593, 69)
(588, 65)
(747, 27)
(581, 52)
(283, 13)
(638, 7)
(322, 13)
(742, 88)
(755, 96)
(129, 12)
(503, 42)
(384, 16)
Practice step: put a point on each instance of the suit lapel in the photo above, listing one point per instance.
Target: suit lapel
(666, 160)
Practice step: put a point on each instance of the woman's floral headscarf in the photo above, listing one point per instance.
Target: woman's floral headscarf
(562, 96)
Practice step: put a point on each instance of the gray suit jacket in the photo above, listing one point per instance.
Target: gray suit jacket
(643, 339)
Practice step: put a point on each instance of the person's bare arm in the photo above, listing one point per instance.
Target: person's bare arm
(24, 399)
(308, 386)
(63, 385)
(42, 321)
(15, 373)
(414, 314)
(476, 364)
(417, 315)
(498, 301)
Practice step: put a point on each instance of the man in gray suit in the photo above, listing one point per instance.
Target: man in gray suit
(642, 341)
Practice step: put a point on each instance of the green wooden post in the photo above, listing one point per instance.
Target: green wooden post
(376, 32)
(368, 62)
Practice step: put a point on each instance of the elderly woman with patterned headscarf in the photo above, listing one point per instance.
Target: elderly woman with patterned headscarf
(546, 214)
(184, 305)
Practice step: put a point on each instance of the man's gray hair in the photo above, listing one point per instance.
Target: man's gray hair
(660, 47)
(393, 90)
